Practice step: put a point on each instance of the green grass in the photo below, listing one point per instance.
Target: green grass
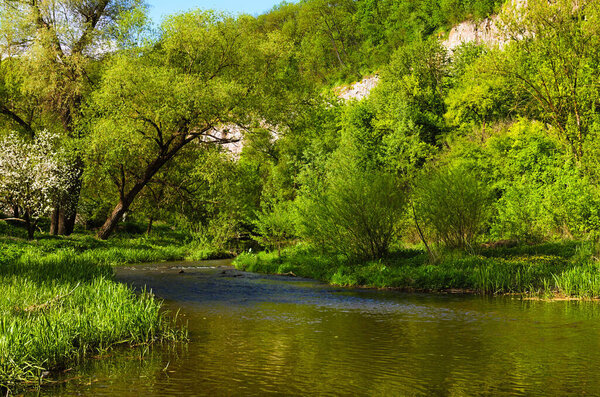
(553, 268)
(60, 302)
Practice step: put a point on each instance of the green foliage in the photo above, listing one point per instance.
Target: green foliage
(411, 96)
(275, 227)
(455, 204)
(478, 98)
(353, 210)
(555, 66)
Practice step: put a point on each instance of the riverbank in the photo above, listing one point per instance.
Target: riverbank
(553, 269)
(60, 302)
(297, 337)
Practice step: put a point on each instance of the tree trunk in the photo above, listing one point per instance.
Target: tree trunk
(421, 235)
(63, 221)
(65, 211)
(113, 220)
(54, 218)
(126, 199)
(149, 229)
(123, 206)
(30, 226)
(66, 223)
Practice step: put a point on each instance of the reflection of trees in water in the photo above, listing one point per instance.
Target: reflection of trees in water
(455, 346)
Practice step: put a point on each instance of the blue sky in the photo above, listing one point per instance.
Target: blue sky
(160, 8)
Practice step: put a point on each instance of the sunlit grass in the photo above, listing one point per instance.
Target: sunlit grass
(59, 303)
(547, 269)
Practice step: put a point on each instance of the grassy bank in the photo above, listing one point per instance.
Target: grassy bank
(562, 268)
(60, 302)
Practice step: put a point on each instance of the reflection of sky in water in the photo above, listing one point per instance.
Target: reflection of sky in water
(216, 289)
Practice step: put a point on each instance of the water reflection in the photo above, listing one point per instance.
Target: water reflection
(255, 335)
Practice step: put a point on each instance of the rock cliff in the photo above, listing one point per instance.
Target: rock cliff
(485, 32)
(358, 90)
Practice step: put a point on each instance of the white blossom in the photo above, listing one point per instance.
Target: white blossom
(33, 173)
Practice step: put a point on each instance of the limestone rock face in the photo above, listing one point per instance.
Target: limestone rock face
(229, 132)
(485, 32)
(358, 90)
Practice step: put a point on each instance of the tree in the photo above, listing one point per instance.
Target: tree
(330, 39)
(206, 70)
(554, 59)
(411, 94)
(58, 44)
(32, 175)
(479, 99)
(18, 111)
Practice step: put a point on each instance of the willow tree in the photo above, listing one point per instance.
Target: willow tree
(56, 45)
(206, 70)
(554, 60)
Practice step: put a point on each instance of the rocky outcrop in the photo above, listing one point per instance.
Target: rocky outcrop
(485, 33)
(358, 90)
(232, 135)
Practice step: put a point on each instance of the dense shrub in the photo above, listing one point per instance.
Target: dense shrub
(355, 211)
(455, 204)
(275, 227)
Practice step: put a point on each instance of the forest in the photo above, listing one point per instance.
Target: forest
(216, 135)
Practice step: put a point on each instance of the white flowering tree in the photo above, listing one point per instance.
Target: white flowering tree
(32, 174)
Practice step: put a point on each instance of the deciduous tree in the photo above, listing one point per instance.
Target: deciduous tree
(58, 45)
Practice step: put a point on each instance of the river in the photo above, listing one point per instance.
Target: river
(253, 334)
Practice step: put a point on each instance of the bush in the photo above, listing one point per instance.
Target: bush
(275, 227)
(542, 191)
(354, 212)
(455, 204)
(522, 215)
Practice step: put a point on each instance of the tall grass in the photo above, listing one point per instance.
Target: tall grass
(60, 303)
(549, 269)
(582, 281)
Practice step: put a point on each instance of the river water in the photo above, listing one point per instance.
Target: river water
(255, 335)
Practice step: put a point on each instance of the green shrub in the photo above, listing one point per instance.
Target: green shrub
(521, 214)
(355, 212)
(275, 227)
(455, 204)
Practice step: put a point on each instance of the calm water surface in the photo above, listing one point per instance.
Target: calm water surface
(255, 335)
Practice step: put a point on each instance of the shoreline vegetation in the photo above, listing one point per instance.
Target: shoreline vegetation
(215, 133)
(61, 303)
(562, 270)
